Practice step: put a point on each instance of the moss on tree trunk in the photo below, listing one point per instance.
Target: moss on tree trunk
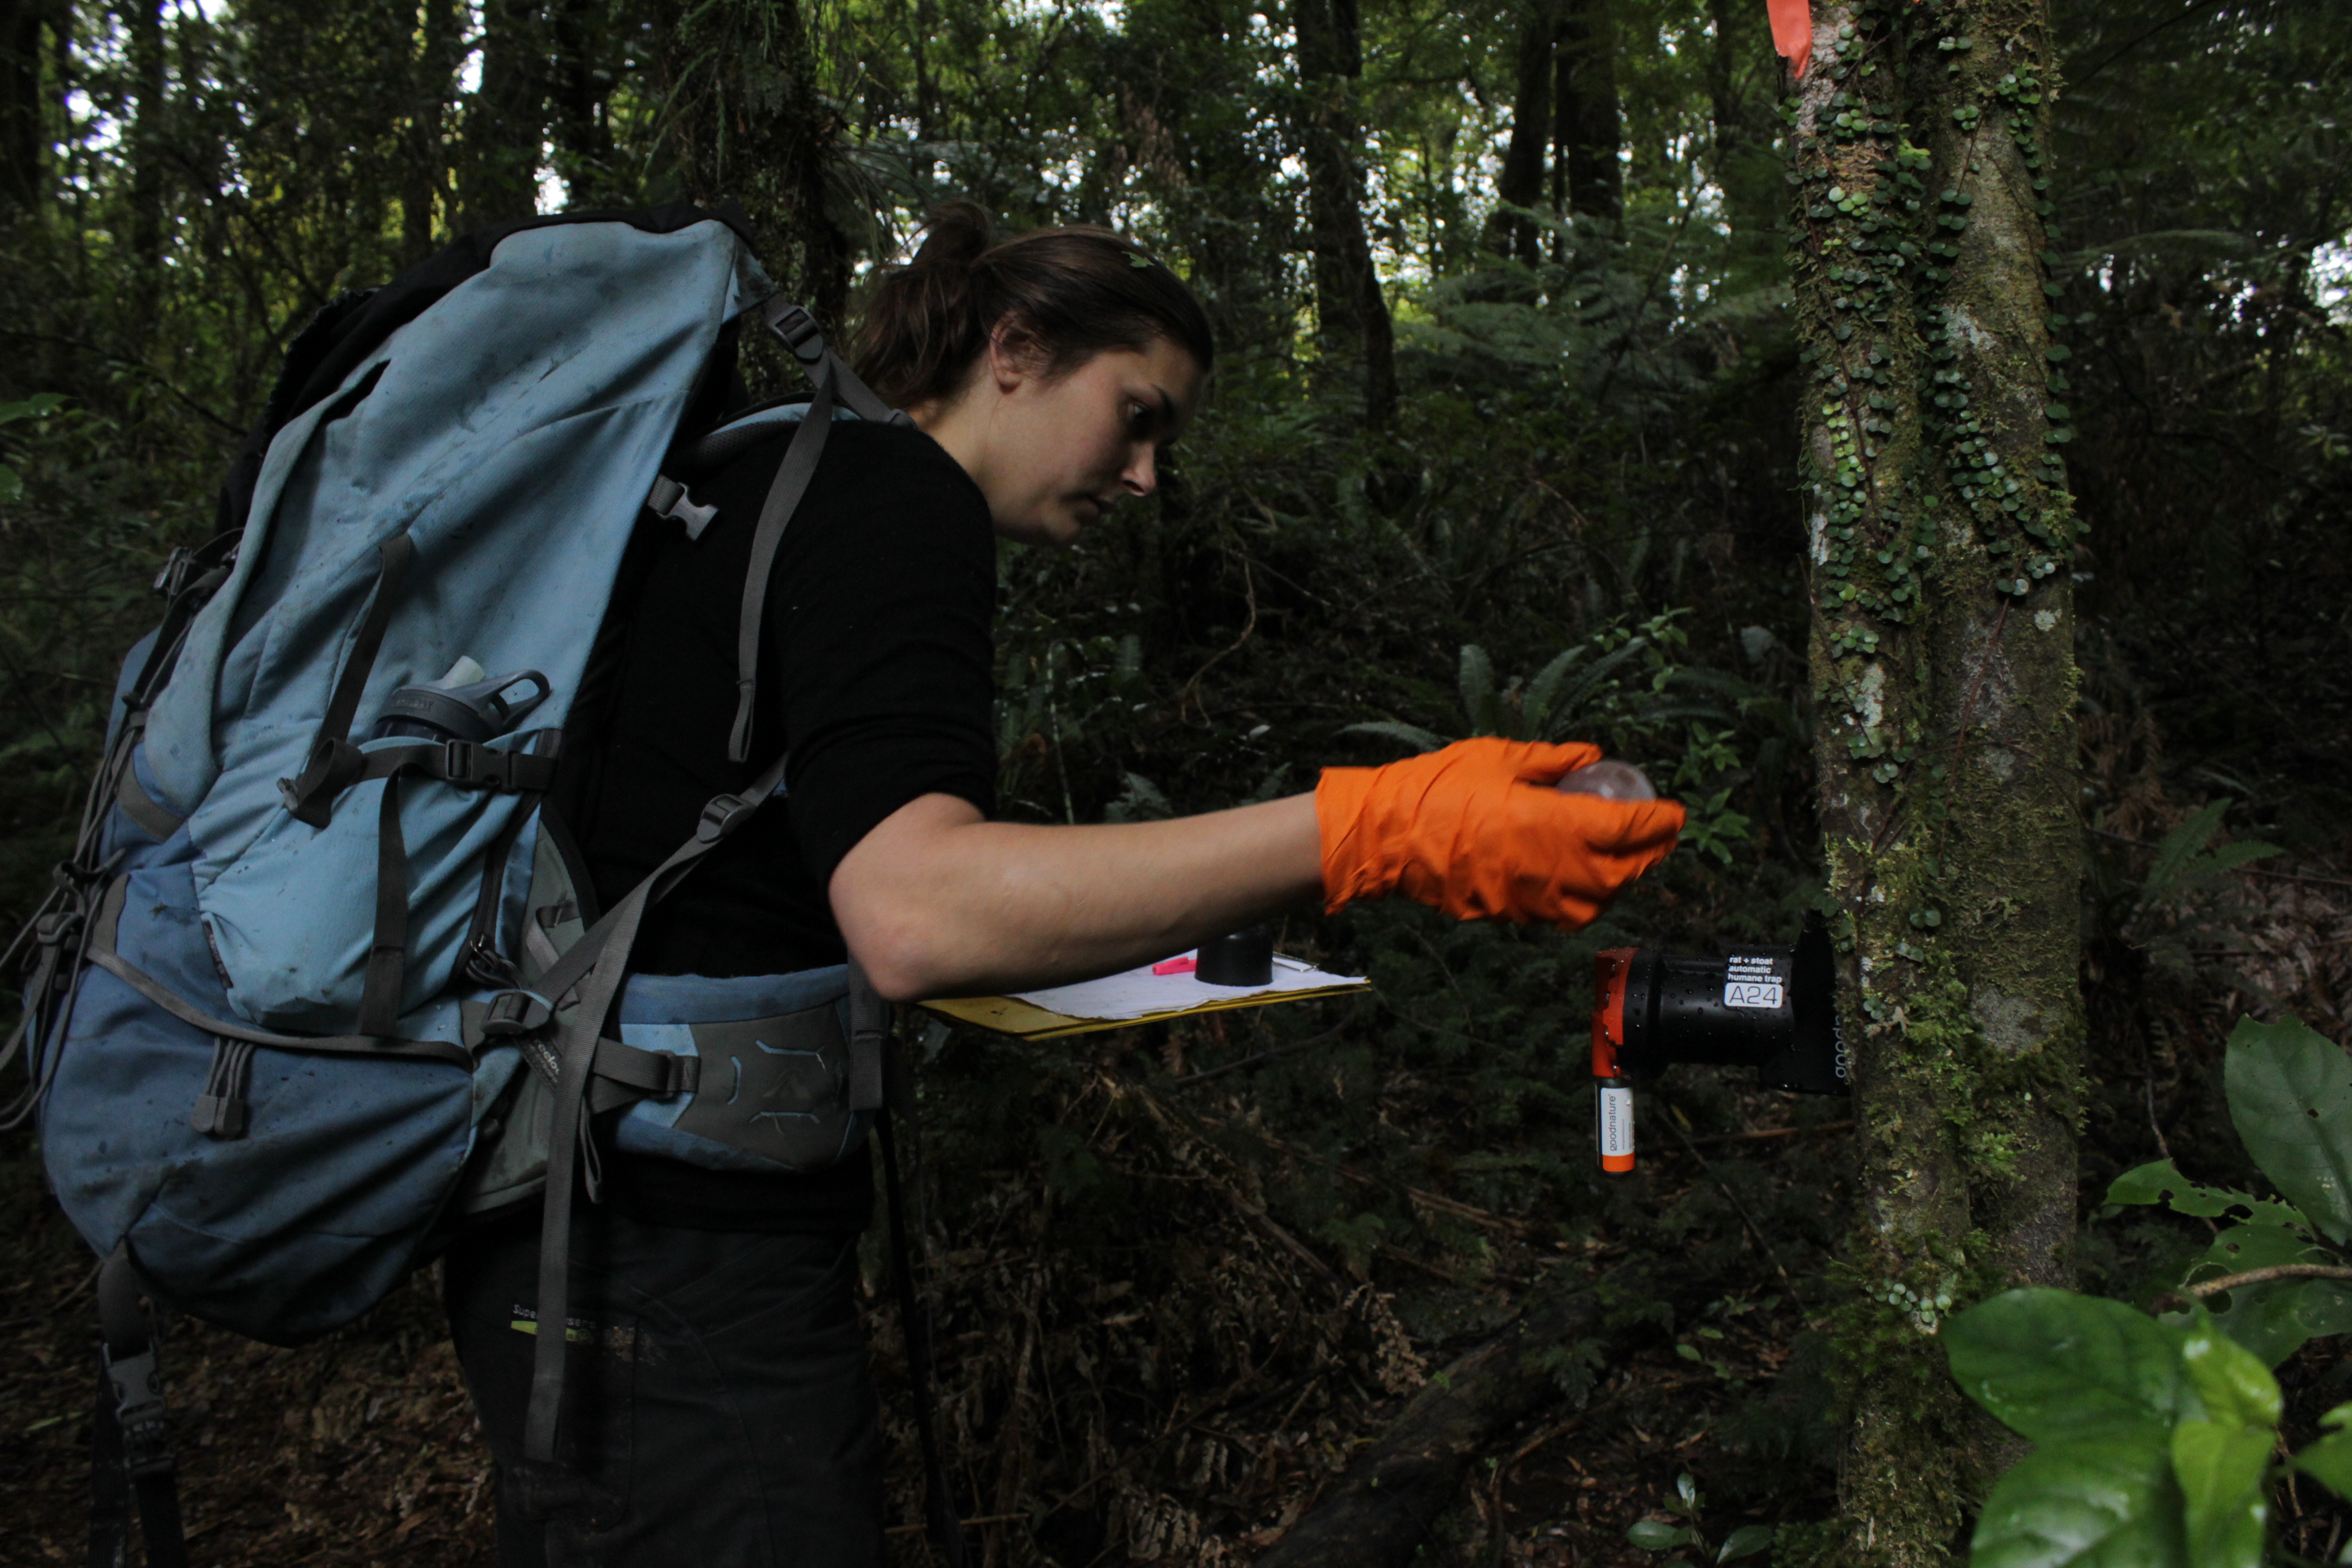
(1941, 536)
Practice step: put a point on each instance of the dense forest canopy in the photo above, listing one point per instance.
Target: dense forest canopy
(1510, 373)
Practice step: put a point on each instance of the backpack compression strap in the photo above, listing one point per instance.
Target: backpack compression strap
(334, 761)
(130, 1448)
(798, 332)
(591, 969)
(595, 965)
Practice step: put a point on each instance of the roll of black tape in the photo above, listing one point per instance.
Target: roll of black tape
(1244, 958)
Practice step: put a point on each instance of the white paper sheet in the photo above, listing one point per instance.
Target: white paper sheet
(1140, 993)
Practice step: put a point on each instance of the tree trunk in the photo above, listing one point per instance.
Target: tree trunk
(1740, 157)
(508, 121)
(149, 139)
(1351, 314)
(21, 106)
(1588, 128)
(749, 124)
(576, 102)
(425, 179)
(1940, 535)
(926, 94)
(1181, 69)
(1519, 183)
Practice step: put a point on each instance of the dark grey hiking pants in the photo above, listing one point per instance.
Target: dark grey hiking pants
(719, 1410)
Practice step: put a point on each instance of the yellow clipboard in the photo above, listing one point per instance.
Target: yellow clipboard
(1027, 1020)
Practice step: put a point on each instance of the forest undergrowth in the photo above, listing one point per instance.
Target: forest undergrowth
(1175, 1301)
(1185, 1275)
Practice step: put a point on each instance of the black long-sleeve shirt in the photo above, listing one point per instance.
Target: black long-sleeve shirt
(874, 676)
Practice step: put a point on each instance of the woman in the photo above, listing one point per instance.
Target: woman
(726, 1415)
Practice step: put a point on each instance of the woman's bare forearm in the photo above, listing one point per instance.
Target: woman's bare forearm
(939, 902)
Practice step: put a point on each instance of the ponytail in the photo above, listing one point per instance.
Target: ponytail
(1070, 293)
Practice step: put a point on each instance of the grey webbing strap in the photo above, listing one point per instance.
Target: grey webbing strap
(387, 964)
(334, 761)
(793, 476)
(480, 959)
(31, 1020)
(188, 580)
(330, 1044)
(460, 762)
(131, 1446)
(65, 936)
(595, 964)
(621, 1074)
(800, 334)
(455, 761)
(869, 1036)
(143, 808)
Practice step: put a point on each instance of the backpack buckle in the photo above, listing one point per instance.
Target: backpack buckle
(333, 766)
(797, 331)
(721, 818)
(458, 762)
(56, 929)
(515, 1013)
(174, 575)
(669, 500)
(137, 1395)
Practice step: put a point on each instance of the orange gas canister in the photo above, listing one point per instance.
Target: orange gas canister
(1612, 1096)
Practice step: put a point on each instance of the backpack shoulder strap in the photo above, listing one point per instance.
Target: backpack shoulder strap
(798, 332)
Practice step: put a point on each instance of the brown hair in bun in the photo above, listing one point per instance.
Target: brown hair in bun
(1070, 293)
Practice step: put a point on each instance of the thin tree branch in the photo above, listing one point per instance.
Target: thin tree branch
(2205, 1288)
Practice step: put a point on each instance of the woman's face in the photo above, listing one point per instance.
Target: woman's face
(1053, 453)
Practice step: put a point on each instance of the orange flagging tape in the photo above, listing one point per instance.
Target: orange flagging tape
(1792, 31)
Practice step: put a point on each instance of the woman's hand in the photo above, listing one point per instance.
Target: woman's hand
(1477, 830)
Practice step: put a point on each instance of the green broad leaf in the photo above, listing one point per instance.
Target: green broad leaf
(2270, 1321)
(2273, 1319)
(2329, 1461)
(40, 405)
(2230, 1382)
(1571, 697)
(1746, 1541)
(2180, 845)
(1412, 735)
(2160, 1182)
(1479, 703)
(11, 486)
(1657, 1536)
(2057, 1367)
(1544, 689)
(2109, 1503)
(2230, 857)
(2239, 1247)
(2220, 1467)
(2290, 1092)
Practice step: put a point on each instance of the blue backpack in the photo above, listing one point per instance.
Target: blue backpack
(324, 976)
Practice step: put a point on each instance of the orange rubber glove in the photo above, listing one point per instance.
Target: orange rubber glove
(1477, 830)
